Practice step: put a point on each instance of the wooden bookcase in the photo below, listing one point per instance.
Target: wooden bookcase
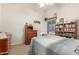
(59, 29)
(78, 29)
(29, 34)
(68, 30)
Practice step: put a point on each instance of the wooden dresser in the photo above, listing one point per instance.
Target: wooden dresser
(29, 34)
(5, 44)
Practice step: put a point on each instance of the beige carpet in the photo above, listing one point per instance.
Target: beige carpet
(20, 50)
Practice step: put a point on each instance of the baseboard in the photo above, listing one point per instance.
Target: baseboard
(18, 43)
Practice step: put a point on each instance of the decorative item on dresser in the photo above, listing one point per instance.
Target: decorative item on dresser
(29, 34)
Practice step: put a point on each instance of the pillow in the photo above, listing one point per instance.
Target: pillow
(43, 34)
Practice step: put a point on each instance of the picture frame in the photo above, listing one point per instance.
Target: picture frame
(38, 22)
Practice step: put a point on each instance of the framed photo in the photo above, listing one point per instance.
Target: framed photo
(38, 22)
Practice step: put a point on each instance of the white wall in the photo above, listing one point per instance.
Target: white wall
(50, 12)
(68, 11)
(14, 17)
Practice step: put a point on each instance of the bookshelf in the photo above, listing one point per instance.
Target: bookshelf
(59, 29)
(68, 30)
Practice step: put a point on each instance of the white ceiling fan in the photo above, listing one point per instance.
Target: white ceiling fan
(45, 4)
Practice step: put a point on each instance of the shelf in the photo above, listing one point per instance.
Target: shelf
(68, 32)
(59, 24)
(59, 31)
(67, 29)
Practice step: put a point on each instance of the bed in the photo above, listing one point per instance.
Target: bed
(54, 45)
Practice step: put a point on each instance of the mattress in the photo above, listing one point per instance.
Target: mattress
(53, 45)
(66, 47)
(40, 44)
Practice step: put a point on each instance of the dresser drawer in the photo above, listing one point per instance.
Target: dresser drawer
(34, 35)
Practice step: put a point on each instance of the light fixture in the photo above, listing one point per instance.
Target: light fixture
(44, 4)
(41, 5)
